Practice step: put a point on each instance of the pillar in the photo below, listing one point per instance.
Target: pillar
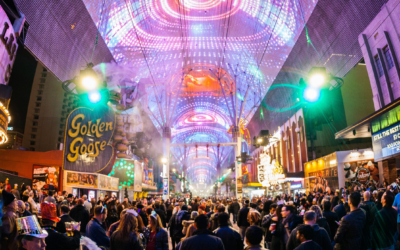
(166, 141)
(236, 137)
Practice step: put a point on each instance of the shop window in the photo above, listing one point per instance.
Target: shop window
(388, 57)
(378, 64)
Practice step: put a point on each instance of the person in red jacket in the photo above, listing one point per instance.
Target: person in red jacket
(7, 186)
(202, 209)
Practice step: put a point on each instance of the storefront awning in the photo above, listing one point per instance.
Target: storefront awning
(362, 129)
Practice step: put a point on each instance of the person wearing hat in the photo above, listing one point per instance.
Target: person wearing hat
(9, 231)
(156, 235)
(56, 240)
(31, 235)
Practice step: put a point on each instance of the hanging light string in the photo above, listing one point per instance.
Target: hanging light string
(98, 27)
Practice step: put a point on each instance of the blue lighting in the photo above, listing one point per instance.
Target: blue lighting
(94, 96)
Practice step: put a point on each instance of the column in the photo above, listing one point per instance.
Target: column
(236, 137)
(166, 141)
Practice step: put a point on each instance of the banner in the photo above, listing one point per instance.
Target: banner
(84, 180)
(361, 172)
(269, 172)
(86, 142)
(107, 182)
(165, 186)
(386, 142)
(137, 183)
(46, 177)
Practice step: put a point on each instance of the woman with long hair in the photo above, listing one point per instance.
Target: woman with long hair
(156, 236)
(277, 230)
(126, 237)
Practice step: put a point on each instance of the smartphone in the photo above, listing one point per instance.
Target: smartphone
(302, 212)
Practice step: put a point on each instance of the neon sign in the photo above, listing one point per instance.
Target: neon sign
(269, 172)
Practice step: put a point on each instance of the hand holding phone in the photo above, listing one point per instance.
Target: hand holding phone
(302, 212)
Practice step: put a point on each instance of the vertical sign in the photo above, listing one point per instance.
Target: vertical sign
(165, 186)
(137, 183)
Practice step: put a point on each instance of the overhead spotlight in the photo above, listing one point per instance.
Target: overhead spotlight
(317, 77)
(94, 96)
(311, 94)
(259, 140)
(164, 160)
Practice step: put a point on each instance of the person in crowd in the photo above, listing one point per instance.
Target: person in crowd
(60, 227)
(143, 215)
(112, 214)
(9, 231)
(87, 204)
(33, 239)
(290, 219)
(321, 221)
(338, 207)
(209, 205)
(15, 191)
(157, 236)
(79, 213)
(95, 229)
(175, 225)
(202, 209)
(170, 209)
(378, 202)
(277, 230)
(254, 218)
(202, 238)
(195, 206)
(160, 213)
(331, 217)
(7, 185)
(242, 222)
(254, 237)
(22, 212)
(229, 236)
(305, 237)
(126, 237)
(370, 212)
(320, 236)
(188, 223)
(56, 240)
(350, 231)
(266, 222)
(50, 198)
(113, 227)
(235, 207)
(266, 208)
(214, 217)
(384, 227)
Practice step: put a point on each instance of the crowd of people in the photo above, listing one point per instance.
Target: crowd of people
(361, 219)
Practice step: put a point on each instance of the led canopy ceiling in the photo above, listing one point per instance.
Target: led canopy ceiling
(204, 65)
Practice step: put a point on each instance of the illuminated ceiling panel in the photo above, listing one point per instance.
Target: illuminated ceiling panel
(215, 59)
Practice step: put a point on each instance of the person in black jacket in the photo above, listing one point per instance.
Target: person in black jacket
(64, 210)
(80, 214)
(305, 237)
(229, 236)
(235, 207)
(160, 213)
(385, 224)
(56, 240)
(195, 205)
(143, 214)
(242, 222)
(95, 229)
(320, 236)
(331, 217)
(202, 239)
(350, 231)
(370, 208)
(175, 225)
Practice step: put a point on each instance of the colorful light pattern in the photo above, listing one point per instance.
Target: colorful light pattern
(245, 42)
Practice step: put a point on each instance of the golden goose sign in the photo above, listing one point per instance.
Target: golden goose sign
(87, 138)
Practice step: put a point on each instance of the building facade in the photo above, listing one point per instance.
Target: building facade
(48, 108)
(380, 45)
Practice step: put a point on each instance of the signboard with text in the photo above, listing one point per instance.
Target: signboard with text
(386, 142)
(269, 172)
(87, 145)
